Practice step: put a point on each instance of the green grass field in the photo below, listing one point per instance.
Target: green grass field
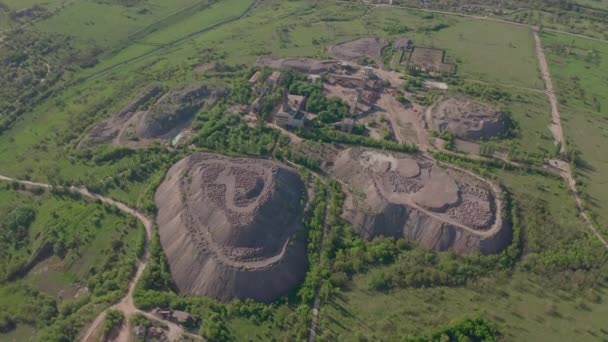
(525, 305)
(83, 235)
(578, 68)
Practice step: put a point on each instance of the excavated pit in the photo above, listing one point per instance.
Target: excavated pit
(468, 119)
(414, 197)
(230, 227)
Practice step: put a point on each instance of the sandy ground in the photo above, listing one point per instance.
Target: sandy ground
(354, 50)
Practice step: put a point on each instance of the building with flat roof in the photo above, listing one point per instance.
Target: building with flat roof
(290, 111)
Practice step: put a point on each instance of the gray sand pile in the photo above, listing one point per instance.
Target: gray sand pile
(134, 125)
(468, 119)
(229, 227)
(411, 196)
(356, 50)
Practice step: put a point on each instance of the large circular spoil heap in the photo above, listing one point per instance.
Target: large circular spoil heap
(229, 227)
(412, 196)
(468, 119)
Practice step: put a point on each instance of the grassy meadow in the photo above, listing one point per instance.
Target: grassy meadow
(90, 255)
(579, 68)
(536, 301)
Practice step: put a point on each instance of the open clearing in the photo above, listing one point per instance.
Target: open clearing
(578, 68)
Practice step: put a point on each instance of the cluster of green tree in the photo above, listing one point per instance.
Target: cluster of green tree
(330, 135)
(396, 28)
(314, 229)
(447, 137)
(27, 58)
(466, 330)
(227, 133)
(486, 92)
(127, 166)
(329, 110)
(34, 308)
(387, 55)
(113, 319)
(14, 240)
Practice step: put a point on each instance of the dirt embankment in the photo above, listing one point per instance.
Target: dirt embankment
(135, 126)
(360, 49)
(467, 119)
(412, 196)
(229, 227)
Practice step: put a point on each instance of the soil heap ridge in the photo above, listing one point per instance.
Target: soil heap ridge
(137, 125)
(229, 227)
(360, 50)
(468, 119)
(412, 196)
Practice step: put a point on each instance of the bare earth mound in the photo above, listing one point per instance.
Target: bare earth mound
(468, 119)
(229, 227)
(356, 50)
(134, 126)
(440, 208)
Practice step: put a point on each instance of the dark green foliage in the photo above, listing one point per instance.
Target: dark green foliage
(220, 132)
(156, 276)
(14, 229)
(214, 329)
(7, 322)
(466, 330)
(113, 319)
(395, 28)
(330, 110)
(330, 135)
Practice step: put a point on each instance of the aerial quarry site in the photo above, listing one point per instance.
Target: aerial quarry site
(303, 170)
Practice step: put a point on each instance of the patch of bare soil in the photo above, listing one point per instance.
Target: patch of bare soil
(229, 227)
(137, 126)
(467, 119)
(412, 196)
(304, 65)
(359, 49)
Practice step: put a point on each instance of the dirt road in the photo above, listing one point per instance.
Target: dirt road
(556, 122)
(472, 16)
(126, 305)
(558, 137)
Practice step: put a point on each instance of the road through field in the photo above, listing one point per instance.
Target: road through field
(556, 121)
(472, 16)
(126, 305)
(558, 136)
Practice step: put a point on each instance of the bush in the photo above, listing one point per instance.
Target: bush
(114, 318)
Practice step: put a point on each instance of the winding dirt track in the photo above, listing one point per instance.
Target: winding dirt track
(126, 305)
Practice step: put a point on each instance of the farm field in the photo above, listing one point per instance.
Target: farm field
(579, 67)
